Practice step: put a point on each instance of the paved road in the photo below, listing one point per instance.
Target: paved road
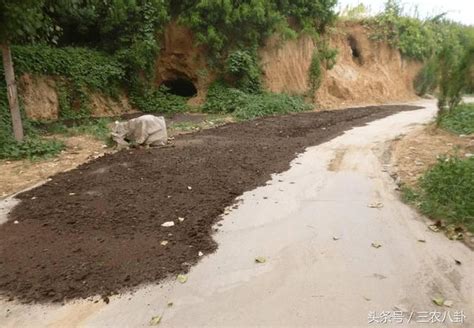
(309, 279)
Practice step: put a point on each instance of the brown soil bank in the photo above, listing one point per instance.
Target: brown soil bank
(41, 100)
(98, 229)
(366, 71)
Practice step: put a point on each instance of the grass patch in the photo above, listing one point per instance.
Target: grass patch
(212, 120)
(446, 192)
(31, 148)
(246, 106)
(97, 128)
(460, 120)
(40, 145)
(267, 104)
(150, 100)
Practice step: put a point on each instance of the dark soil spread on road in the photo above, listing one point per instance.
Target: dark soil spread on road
(97, 230)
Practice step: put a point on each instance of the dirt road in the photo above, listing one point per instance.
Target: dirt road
(313, 225)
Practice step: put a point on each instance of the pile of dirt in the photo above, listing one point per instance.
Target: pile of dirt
(21, 174)
(98, 229)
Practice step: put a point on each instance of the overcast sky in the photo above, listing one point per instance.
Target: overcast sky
(458, 10)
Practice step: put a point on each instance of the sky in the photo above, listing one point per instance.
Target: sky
(458, 10)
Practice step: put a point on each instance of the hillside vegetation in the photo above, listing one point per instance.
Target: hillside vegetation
(111, 47)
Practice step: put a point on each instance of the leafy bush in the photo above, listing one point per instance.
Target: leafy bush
(223, 99)
(426, 80)
(416, 39)
(322, 55)
(224, 25)
(85, 68)
(129, 29)
(447, 191)
(243, 68)
(244, 106)
(221, 25)
(456, 74)
(327, 55)
(315, 73)
(151, 100)
(31, 148)
(459, 120)
(310, 16)
(413, 37)
(268, 103)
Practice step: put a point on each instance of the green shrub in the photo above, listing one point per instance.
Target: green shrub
(151, 100)
(456, 73)
(244, 106)
(427, 79)
(459, 120)
(325, 56)
(128, 29)
(225, 25)
(411, 36)
(315, 74)
(223, 99)
(447, 191)
(84, 68)
(415, 38)
(268, 103)
(31, 148)
(242, 68)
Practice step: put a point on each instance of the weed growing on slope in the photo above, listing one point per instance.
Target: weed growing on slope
(459, 120)
(447, 191)
(31, 148)
(245, 106)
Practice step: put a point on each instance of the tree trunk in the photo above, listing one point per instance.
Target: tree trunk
(12, 92)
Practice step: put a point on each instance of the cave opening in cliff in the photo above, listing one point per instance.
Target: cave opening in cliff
(356, 52)
(181, 87)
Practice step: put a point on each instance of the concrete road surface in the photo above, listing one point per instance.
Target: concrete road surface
(314, 227)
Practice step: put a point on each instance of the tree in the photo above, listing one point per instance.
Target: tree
(20, 21)
(456, 69)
